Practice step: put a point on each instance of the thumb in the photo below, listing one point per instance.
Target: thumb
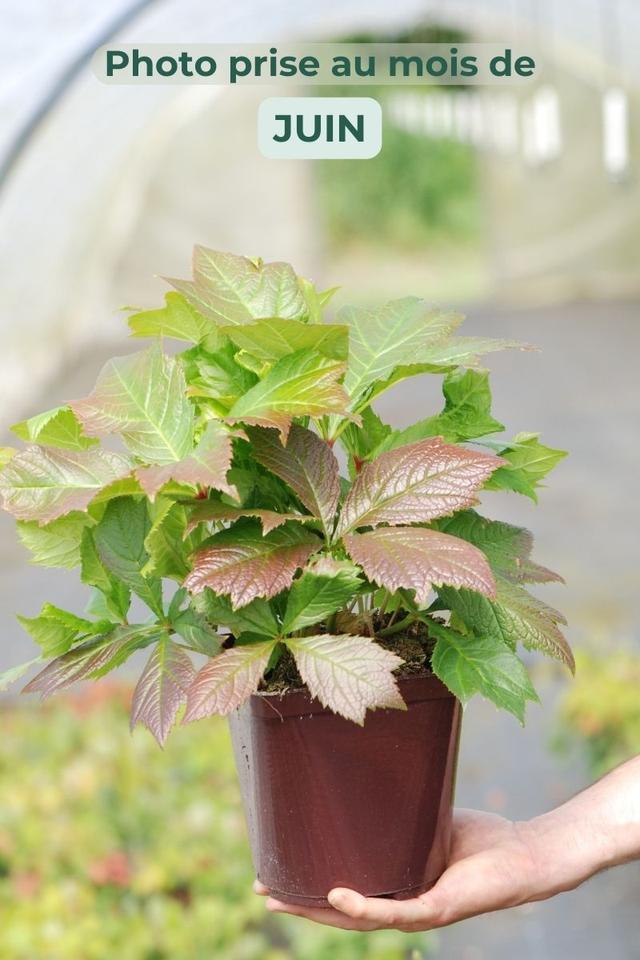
(347, 901)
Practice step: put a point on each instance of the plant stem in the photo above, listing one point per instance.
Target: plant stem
(397, 627)
(385, 602)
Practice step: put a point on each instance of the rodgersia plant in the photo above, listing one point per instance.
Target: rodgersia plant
(215, 469)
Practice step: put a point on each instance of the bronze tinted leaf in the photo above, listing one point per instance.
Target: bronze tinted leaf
(226, 681)
(143, 398)
(416, 559)
(348, 674)
(162, 688)
(207, 465)
(232, 290)
(244, 564)
(41, 483)
(306, 463)
(415, 484)
(93, 658)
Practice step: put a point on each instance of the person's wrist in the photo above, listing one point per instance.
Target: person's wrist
(608, 817)
(564, 850)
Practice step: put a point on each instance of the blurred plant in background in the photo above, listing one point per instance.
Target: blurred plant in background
(601, 710)
(111, 847)
(419, 199)
(417, 190)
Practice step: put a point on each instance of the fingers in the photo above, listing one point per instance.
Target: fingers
(381, 913)
(328, 917)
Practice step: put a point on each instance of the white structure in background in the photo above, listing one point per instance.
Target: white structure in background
(541, 127)
(615, 132)
(74, 198)
(488, 121)
(503, 123)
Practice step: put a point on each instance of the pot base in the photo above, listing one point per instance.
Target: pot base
(321, 902)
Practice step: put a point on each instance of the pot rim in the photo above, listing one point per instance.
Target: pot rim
(299, 702)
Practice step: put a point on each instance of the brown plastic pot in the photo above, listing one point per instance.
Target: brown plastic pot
(329, 803)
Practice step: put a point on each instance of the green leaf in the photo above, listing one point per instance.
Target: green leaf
(307, 464)
(300, 384)
(93, 659)
(361, 441)
(382, 338)
(229, 679)
(176, 602)
(507, 548)
(249, 362)
(244, 564)
(255, 617)
(162, 688)
(117, 596)
(348, 674)
(177, 319)
(120, 541)
(56, 428)
(55, 630)
(6, 454)
(415, 484)
(7, 677)
(55, 544)
(514, 616)
(323, 589)
(465, 351)
(466, 414)
(143, 398)
(413, 558)
(468, 665)
(165, 543)
(207, 465)
(127, 487)
(196, 632)
(221, 377)
(43, 483)
(529, 461)
(275, 338)
(234, 290)
(315, 300)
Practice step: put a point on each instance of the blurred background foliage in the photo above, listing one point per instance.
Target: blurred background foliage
(600, 712)
(418, 193)
(110, 847)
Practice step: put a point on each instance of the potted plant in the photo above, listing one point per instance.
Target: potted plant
(339, 617)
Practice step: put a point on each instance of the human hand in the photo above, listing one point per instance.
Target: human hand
(493, 864)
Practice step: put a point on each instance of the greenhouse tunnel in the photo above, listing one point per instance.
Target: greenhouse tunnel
(493, 200)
